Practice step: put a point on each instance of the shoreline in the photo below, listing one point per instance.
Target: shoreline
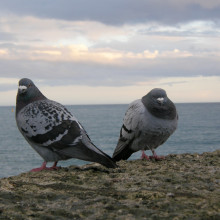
(183, 186)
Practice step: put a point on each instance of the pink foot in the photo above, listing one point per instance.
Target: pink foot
(144, 156)
(54, 167)
(156, 157)
(44, 167)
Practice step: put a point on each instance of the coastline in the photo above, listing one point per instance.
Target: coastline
(183, 186)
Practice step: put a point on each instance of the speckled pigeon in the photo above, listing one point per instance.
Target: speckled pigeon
(53, 132)
(147, 124)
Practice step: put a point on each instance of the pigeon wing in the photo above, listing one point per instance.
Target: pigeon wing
(46, 122)
(129, 130)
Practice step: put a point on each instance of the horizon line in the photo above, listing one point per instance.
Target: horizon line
(122, 104)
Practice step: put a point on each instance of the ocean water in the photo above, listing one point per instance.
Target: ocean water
(198, 131)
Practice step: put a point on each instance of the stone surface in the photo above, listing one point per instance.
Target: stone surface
(185, 186)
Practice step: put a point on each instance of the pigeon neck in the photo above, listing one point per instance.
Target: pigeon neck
(165, 111)
(22, 101)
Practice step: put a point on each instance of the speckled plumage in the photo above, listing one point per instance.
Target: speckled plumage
(147, 124)
(52, 130)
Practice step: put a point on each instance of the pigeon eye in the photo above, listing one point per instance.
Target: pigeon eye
(29, 85)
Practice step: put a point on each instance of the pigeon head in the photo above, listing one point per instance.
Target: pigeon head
(27, 93)
(159, 105)
(158, 96)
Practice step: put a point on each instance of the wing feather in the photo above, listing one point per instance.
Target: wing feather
(129, 130)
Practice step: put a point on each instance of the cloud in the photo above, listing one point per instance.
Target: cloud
(116, 12)
(129, 72)
(183, 89)
(111, 44)
(94, 54)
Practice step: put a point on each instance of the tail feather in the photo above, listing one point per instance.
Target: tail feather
(123, 154)
(81, 151)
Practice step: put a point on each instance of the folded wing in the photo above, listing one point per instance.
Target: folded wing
(129, 131)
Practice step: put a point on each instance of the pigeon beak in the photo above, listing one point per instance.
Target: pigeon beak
(160, 100)
(22, 89)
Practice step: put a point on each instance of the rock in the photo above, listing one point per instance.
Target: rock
(170, 194)
(181, 186)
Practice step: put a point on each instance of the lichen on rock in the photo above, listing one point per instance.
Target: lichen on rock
(185, 186)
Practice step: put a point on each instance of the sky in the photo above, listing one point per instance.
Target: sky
(112, 51)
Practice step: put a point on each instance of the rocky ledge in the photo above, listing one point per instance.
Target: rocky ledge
(185, 186)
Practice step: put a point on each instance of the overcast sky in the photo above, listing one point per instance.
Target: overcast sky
(111, 51)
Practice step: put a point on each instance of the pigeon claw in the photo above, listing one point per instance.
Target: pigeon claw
(144, 156)
(44, 167)
(156, 157)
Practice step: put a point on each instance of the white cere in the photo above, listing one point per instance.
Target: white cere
(22, 87)
(160, 99)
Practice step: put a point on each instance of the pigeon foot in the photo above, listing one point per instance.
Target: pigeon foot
(144, 156)
(54, 167)
(156, 157)
(44, 167)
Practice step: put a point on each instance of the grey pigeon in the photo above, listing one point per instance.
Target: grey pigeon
(53, 132)
(147, 124)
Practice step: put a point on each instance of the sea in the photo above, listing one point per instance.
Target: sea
(198, 131)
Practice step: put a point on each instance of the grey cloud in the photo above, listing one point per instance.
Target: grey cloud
(6, 36)
(115, 12)
(70, 73)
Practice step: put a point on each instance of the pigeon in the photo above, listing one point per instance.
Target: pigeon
(147, 124)
(52, 131)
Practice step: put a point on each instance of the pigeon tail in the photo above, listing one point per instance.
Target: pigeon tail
(104, 159)
(124, 154)
(83, 152)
